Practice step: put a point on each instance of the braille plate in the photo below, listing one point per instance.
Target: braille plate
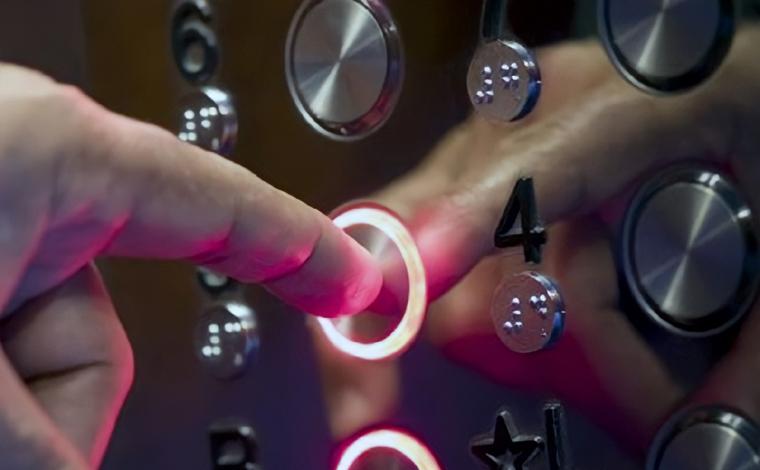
(503, 81)
(528, 312)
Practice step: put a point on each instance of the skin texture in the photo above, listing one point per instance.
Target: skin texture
(77, 182)
(591, 139)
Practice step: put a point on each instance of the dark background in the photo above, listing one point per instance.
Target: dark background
(119, 52)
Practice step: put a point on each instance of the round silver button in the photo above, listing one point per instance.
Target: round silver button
(528, 312)
(710, 438)
(207, 118)
(690, 251)
(666, 46)
(344, 66)
(226, 339)
(503, 81)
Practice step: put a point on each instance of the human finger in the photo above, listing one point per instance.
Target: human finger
(110, 185)
(73, 354)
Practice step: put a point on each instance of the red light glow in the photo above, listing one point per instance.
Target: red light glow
(397, 441)
(409, 326)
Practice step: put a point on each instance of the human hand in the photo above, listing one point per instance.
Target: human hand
(591, 137)
(77, 182)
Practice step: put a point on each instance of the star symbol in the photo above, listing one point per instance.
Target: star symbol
(505, 449)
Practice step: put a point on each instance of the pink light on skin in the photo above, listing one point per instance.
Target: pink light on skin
(397, 441)
(411, 323)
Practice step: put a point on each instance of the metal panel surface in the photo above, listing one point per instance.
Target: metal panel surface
(165, 420)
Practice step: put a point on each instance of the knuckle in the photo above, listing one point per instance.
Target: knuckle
(111, 349)
(276, 249)
(469, 209)
(121, 358)
(285, 254)
(114, 368)
(53, 122)
(70, 113)
(78, 114)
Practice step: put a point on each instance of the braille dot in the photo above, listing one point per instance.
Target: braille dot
(201, 124)
(510, 76)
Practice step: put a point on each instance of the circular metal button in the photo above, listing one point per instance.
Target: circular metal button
(690, 251)
(208, 119)
(226, 339)
(504, 81)
(344, 66)
(664, 46)
(528, 312)
(710, 438)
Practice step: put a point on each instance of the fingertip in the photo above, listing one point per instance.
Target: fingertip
(340, 278)
(364, 284)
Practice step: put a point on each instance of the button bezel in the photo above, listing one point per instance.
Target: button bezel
(722, 319)
(386, 102)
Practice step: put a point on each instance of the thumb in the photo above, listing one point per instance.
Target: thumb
(28, 437)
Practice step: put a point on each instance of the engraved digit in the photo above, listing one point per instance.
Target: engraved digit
(530, 234)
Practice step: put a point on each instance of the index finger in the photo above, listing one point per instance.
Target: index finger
(153, 196)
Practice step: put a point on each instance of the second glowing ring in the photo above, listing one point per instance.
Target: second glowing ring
(411, 323)
(398, 441)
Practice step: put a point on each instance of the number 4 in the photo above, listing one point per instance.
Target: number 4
(529, 232)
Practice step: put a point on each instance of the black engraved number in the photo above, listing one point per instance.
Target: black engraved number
(194, 43)
(233, 445)
(530, 233)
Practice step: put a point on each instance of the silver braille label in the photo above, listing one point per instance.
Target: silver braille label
(537, 326)
(503, 81)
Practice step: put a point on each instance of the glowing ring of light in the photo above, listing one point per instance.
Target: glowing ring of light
(398, 441)
(409, 326)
